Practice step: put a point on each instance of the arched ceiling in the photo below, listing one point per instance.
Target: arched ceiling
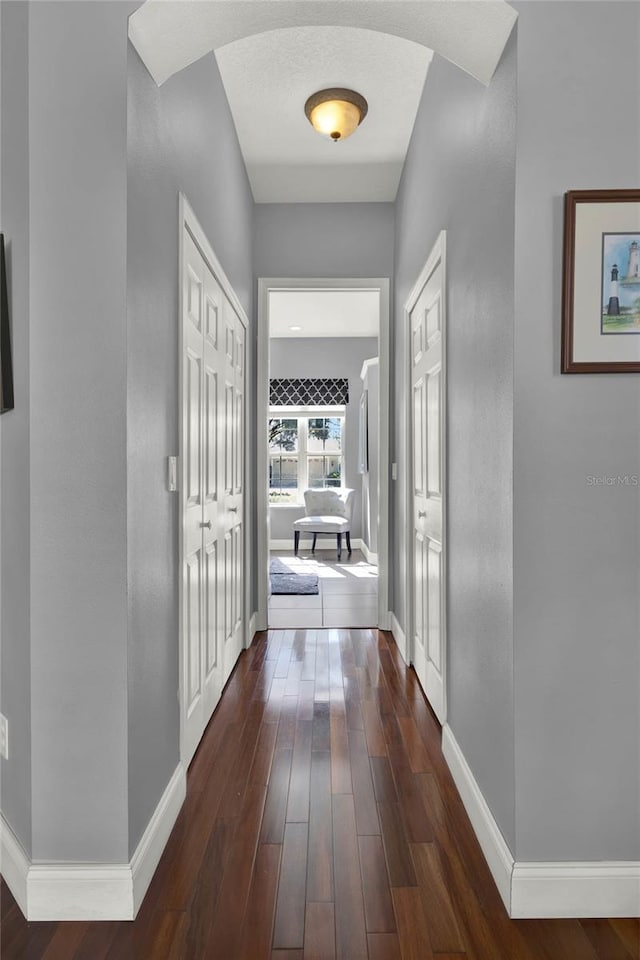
(273, 54)
(286, 159)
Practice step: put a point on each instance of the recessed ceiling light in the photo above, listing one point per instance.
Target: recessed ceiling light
(295, 328)
(336, 112)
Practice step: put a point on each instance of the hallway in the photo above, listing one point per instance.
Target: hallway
(321, 822)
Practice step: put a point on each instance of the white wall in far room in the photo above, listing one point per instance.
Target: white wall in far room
(325, 357)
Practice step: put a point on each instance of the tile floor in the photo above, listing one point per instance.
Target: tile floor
(348, 592)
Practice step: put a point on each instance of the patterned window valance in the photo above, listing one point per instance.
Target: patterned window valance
(308, 393)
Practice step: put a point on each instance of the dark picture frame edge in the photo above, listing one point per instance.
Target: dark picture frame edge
(571, 199)
(6, 368)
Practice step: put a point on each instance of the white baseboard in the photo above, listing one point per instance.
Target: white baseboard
(590, 889)
(253, 628)
(328, 544)
(100, 891)
(399, 637)
(14, 864)
(148, 852)
(369, 555)
(559, 890)
(70, 891)
(494, 846)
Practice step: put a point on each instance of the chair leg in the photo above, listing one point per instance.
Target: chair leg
(348, 535)
(296, 541)
(313, 545)
(339, 536)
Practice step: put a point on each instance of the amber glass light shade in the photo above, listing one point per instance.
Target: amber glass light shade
(336, 113)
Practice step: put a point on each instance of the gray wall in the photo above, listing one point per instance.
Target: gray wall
(459, 176)
(15, 694)
(100, 750)
(323, 239)
(180, 137)
(78, 198)
(90, 619)
(577, 547)
(325, 357)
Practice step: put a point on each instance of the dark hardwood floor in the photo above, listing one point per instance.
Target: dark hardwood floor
(321, 822)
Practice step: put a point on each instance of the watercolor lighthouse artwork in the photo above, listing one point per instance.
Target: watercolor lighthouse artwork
(621, 283)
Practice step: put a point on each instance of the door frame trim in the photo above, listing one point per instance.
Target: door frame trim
(265, 286)
(437, 255)
(187, 220)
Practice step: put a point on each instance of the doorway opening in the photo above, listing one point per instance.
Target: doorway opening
(323, 415)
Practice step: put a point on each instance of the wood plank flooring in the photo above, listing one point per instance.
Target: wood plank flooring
(321, 823)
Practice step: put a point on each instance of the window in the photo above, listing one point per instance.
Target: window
(305, 450)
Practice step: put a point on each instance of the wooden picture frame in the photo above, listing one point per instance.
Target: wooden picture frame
(6, 368)
(601, 282)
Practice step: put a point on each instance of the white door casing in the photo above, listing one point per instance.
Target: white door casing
(212, 352)
(426, 329)
(265, 287)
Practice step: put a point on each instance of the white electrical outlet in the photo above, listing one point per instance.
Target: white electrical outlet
(4, 737)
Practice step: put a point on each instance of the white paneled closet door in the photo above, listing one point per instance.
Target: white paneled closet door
(232, 478)
(428, 421)
(212, 447)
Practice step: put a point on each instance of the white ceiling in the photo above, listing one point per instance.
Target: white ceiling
(267, 79)
(273, 54)
(324, 313)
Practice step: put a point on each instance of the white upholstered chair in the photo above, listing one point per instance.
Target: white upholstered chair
(327, 511)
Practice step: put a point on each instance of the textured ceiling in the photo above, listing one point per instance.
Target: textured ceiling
(324, 313)
(274, 53)
(268, 78)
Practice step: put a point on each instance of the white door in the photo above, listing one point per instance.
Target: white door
(212, 495)
(232, 483)
(427, 436)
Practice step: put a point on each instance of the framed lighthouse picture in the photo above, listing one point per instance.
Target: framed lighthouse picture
(601, 282)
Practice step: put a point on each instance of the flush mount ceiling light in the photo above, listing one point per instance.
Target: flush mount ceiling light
(336, 112)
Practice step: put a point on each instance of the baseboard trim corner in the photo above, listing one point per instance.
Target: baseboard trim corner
(555, 890)
(14, 864)
(148, 852)
(253, 628)
(368, 554)
(398, 636)
(91, 891)
(494, 847)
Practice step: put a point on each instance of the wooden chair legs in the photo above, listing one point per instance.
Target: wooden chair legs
(296, 543)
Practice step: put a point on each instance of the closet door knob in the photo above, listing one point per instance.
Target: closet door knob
(207, 524)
